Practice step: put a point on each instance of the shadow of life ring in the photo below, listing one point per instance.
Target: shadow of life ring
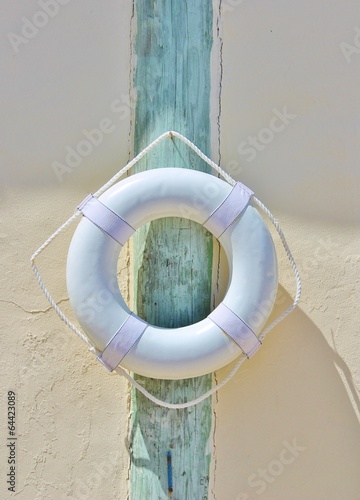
(172, 353)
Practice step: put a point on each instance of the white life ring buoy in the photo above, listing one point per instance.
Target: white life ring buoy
(121, 336)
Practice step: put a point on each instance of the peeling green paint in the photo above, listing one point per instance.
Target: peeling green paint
(173, 256)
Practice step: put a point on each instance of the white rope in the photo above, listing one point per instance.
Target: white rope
(292, 263)
(100, 191)
(180, 406)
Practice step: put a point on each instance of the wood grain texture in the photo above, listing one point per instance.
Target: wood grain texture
(173, 256)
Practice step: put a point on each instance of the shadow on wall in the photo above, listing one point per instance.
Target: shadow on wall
(286, 428)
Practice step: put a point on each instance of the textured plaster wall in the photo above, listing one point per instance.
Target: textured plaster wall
(301, 388)
(71, 414)
(287, 427)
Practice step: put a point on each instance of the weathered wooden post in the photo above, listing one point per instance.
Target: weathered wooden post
(173, 257)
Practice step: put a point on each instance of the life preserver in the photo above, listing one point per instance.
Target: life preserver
(121, 336)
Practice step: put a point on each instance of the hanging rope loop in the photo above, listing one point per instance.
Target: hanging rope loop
(107, 185)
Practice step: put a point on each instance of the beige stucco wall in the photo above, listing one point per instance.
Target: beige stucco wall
(63, 395)
(300, 390)
(287, 426)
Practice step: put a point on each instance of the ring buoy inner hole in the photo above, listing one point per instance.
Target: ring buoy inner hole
(177, 274)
